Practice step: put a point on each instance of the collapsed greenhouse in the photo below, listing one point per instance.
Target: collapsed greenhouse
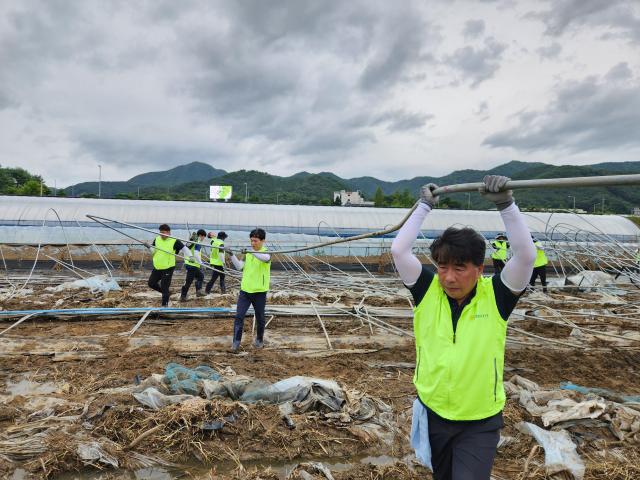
(98, 380)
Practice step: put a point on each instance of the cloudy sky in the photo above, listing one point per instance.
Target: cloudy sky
(357, 87)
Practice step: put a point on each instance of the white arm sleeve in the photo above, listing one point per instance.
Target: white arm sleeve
(517, 272)
(221, 257)
(407, 264)
(185, 252)
(239, 264)
(263, 257)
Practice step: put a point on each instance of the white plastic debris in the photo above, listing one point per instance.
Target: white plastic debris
(91, 452)
(591, 278)
(559, 451)
(97, 283)
(152, 398)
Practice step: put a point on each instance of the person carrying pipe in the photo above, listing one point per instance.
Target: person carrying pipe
(216, 259)
(540, 266)
(164, 250)
(193, 266)
(460, 327)
(499, 254)
(256, 272)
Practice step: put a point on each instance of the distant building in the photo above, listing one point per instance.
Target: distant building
(636, 211)
(351, 199)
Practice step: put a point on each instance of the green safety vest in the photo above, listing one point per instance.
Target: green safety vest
(459, 376)
(255, 274)
(500, 252)
(163, 256)
(214, 259)
(541, 258)
(194, 262)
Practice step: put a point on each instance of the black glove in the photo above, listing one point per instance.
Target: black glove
(146, 244)
(493, 190)
(427, 196)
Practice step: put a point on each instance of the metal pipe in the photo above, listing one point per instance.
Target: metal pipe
(573, 182)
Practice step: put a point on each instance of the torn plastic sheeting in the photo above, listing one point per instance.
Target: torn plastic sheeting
(180, 379)
(559, 451)
(591, 278)
(602, 392)
(152, 398)
(557, 412)
(91, 452)
(98, 283)
(308, 393)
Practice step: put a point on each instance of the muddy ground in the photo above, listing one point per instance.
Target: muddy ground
(85, 360)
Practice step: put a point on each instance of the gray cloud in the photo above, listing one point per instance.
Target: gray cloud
(550, 51)
(122, 151)
(619, 15)
(473, 29)
(400, 120)
(592, 114)
(477, 64)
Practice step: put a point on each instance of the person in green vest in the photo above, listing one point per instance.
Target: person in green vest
(216, 259)
(499, 254)
(460, 327)
(164, 250)
(194, 266)
(540, 266)
(256, 272)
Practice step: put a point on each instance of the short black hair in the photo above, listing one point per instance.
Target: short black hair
(222, 235)
(258, 233)
(202, 233)
(458, 246)
(164, 228)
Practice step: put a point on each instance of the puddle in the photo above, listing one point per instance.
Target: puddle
(198, 471)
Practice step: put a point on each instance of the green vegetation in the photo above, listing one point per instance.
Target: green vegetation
(192, 181)
(17, 181)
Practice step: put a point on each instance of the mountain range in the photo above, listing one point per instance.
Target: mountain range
(191, 182)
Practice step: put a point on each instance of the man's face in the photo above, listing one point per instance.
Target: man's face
(458, 279)
(201, 238)
(256, 243)
(165, 233)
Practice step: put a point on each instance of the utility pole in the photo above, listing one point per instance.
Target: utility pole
(603, 204)
(99, 181)
(468, 201)
(55, 188)
(574, 201)
(138, 193)
(277, 198)
(246, 192)
(40, 187)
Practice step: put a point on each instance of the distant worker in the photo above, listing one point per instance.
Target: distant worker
(216, 259)
(256, 272)
(460, 327)
(540, 266)
(194, 266)
(499, 254)
(164, 249)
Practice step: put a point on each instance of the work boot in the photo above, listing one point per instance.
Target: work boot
(235, 347)
(200, 293)
(183, 298)
(258, 344)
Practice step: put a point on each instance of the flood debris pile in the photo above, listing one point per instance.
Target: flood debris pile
(570, 430)
(201, 413)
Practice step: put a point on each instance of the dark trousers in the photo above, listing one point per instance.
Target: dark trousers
(542, 273)
(160, 281)
(192, 272)
(259, 302)
(463, 450)
(218, 272)
(498, 265)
